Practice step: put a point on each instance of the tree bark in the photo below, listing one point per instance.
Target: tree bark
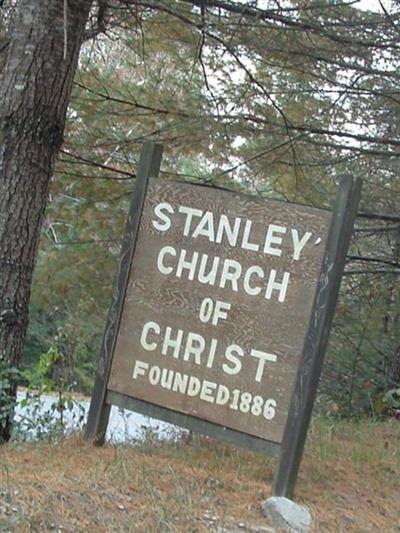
(394, 378)
(34, 94)
(394, 371)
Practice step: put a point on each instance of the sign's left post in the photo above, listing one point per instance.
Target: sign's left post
(99, 411)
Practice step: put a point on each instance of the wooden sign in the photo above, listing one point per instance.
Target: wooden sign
(214, 305)
(217, 305)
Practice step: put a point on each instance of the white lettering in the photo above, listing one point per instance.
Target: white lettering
(194, 386)
(210, 277)
(231, 271)
(237, 364)
(188, 265)
(271, 239)
(139, 369)
(262, 357)
(195, 345)
(225, 227)
(169, 342)
(160, 265)
(253, 270)
(206, 310)
(220, 311)
(205, 227)
(180, 383)
(298, 245)
(190, 213)
(275, 285)
(154, 375)
(206, 391)
(246, 245)
(166, 378)
(211, 353)
(165, 223)
(222, 395)
(143, 338)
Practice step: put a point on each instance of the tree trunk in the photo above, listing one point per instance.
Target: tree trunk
(394, 371)
(394, 379)
(34, 94)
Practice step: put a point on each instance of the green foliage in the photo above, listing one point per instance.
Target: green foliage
(46, 375)
(363, 341)
(392, 398)
(40, 333)
(248, 109)
(8, 375)
(49, 417)
(68, 359)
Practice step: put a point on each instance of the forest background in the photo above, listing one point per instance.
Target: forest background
(273, 99)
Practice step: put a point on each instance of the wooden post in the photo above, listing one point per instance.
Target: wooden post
(316, 341)
(99, 411)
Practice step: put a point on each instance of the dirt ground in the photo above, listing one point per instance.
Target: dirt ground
(350, 480)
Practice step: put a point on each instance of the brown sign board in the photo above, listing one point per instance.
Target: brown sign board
(221, 313)
(217, 305)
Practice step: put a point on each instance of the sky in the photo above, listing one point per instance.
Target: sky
(373, 5)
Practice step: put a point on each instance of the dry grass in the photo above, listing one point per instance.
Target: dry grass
(350, 479)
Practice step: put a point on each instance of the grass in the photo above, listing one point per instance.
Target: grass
(350, 479)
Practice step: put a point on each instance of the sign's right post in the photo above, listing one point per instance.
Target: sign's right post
(299, 416)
